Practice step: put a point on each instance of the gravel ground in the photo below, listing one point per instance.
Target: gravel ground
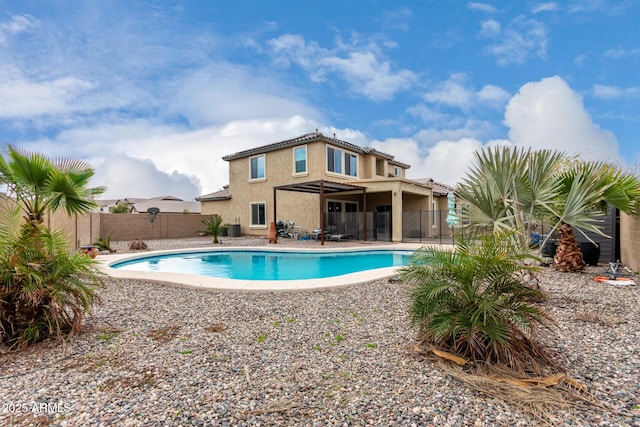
(158, 355)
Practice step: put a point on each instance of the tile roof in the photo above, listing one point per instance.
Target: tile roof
(223, 194)
(312, 137)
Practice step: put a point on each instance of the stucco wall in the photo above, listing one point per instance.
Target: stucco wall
(304, 208)
(630, 241)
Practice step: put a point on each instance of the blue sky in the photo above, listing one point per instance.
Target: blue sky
(154, 93)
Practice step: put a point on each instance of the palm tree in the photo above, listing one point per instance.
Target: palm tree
(42, 185)
(214, 226)
(45, 289)
(473, 302)
(511, 189)
(587, 189)
(507, 188)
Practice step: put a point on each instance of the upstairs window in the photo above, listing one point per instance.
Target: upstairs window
(341, 162)
(300, 160)
(397, 171)
(257, 167)
(334, 160)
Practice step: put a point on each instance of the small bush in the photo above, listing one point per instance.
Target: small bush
(473, 302)
(104, 244)
(137, 245)
(120, 207)
(45, 288)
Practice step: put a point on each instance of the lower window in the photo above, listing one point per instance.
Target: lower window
(258, 214)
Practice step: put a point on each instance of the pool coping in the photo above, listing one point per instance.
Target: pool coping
(222, 284)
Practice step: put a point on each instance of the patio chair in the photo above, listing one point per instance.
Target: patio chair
(339, 237)
(328, 232)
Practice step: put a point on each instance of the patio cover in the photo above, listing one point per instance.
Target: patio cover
(323, 187)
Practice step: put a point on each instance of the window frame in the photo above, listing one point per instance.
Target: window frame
(342, 163)
(264, 167)
(266, 219)
(306, 161)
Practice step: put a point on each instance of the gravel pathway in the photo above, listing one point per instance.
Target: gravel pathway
(155, 355)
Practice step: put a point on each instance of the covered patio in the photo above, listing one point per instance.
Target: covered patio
(323, 188)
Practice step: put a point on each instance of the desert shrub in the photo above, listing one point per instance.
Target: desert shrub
(473, 302)
(137, 245)
(104, 244)
(45, 289)
(120, 207)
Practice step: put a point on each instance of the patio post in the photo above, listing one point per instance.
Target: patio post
(321, 213)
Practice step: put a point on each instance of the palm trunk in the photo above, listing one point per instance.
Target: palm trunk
(568, 255)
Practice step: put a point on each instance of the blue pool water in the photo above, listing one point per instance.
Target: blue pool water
(261, 265)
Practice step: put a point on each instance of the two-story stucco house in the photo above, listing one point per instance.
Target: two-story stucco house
(314, 180)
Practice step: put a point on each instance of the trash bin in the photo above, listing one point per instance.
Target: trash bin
(234, 230)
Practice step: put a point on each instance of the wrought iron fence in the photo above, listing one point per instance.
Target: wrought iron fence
(427, 226)
(351, 225)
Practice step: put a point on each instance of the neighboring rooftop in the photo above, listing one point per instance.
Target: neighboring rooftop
(439, 189)
(166, 204)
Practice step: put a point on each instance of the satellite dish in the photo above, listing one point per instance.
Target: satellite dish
(153, 212)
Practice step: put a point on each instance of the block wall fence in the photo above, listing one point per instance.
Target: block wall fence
(86, 229)
(630, 241)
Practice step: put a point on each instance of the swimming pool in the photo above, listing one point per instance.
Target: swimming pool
(267, 265)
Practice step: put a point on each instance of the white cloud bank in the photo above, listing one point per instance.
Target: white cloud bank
(544, 114)
(549, 114)
(185, 163)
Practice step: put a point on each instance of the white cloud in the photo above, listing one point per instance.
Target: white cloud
(455, 92)
(543, 115)
(223, 92)
(17, 25)
(518, 42)
(126, 176)
(446, 161)
(610, 7)
(545, 7)
(490, 28)
(482, 7)
(616, 53)
(580, 59)
(612, 92)
(397, 19)
(451, 92)
(493, 95)
(23, 98)
(179, 155)
(362, 67)
(434, 116)
(621, 53)
(549, 114)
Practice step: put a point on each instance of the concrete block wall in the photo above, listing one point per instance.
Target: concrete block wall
(141, 226)
(630, 241)
(86, 229)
